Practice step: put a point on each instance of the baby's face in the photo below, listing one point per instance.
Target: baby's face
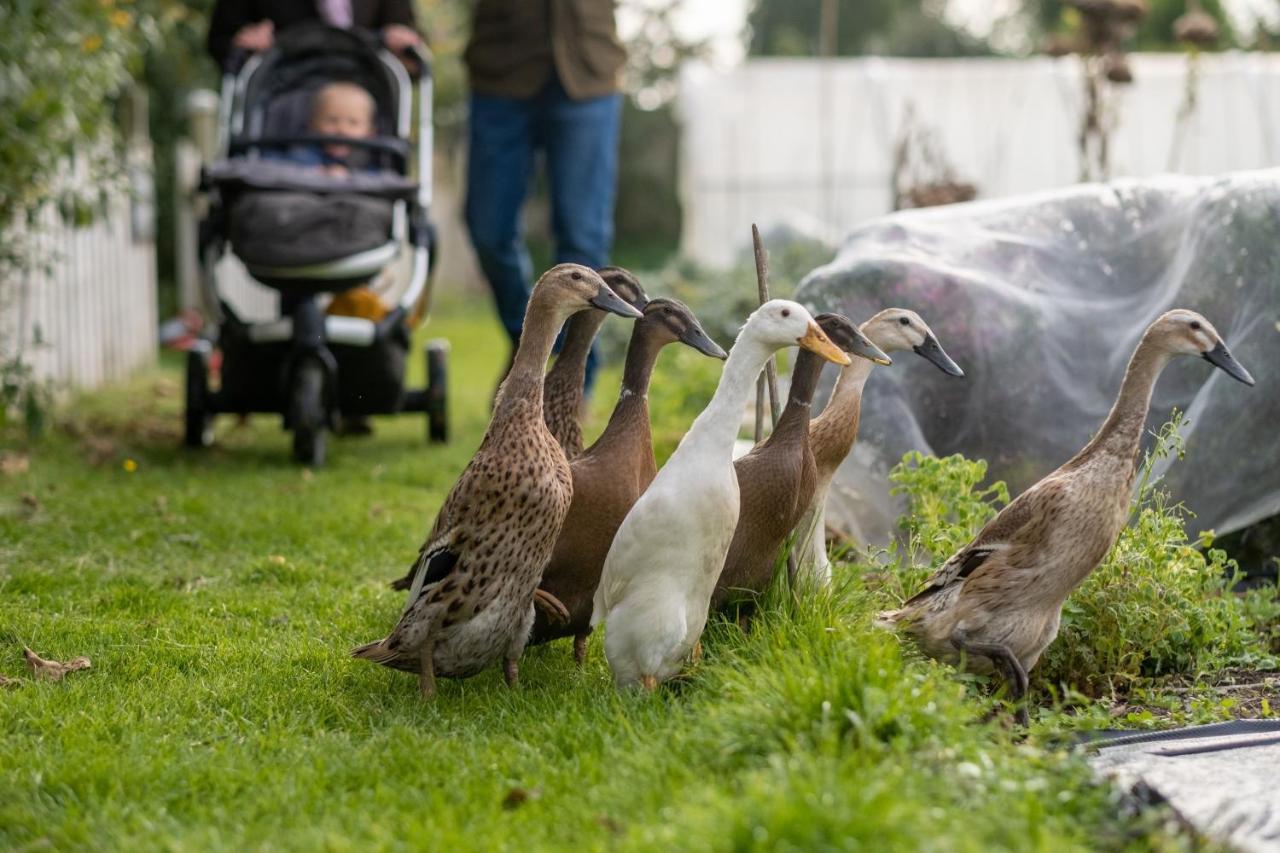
(342, 113)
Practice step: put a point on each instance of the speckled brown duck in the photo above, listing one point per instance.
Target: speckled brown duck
(612, 473)
(777, 478)
(995, 605)
(562, 389)
(476, 577)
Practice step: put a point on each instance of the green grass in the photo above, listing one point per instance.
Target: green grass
(218, 593)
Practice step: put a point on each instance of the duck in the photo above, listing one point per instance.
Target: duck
(661, 568)
(611, 474)
(995, 605)
(562, 389)
(476, 576)
(833, 433)
(777, 478)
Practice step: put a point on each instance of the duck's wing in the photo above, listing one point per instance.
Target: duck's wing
(1021, 526)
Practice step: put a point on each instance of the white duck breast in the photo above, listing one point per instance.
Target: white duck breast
(662, 567)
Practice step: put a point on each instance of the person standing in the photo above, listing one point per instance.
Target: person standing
(544, 78)
(251, 24)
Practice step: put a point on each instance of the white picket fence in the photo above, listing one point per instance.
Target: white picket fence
(87, 316)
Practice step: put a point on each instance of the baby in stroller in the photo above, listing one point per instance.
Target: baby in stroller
(316, 197)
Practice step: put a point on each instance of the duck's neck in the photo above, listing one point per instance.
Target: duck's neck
(804, 380)
(836, 429)
(1121, 432)
(630, 416)
(715, 430)
(524, 381)
(571, 364)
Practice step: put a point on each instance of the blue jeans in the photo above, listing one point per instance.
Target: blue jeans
(580, 142)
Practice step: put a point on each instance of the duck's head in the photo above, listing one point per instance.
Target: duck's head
(782, 323)
(626, 285)
(672, 321)
(844, 334)
(575, 288)
(899, 330)
(1183, 332)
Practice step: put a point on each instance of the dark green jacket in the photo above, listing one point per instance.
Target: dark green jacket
(516, 45)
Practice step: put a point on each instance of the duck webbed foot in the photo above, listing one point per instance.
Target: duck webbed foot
(550, 605)
(580, 648)
(1006, 662)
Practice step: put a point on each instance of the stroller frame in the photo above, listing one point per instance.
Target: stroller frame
(305, 365)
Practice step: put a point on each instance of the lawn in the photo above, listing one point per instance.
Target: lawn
(218, 594)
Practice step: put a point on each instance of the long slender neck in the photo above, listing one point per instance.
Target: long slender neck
(631, 413)
(1121, 432)
(804, 380)
(583, 327)
(541, 322)
(715, 430)
(835, 430)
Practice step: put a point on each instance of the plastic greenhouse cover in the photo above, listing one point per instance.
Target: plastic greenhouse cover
(1042, 299)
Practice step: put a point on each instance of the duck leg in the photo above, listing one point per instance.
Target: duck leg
(550, 605)
(695, 657)
(649, 682)
(580, 647)
(511, 672)
(1011, 669)
(427, 668)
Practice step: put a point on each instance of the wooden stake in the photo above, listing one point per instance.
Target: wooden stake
(770, 372)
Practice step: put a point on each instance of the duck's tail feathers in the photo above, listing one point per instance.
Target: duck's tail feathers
(377, 651)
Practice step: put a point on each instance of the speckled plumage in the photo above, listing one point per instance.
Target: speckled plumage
(471, 602)
(562, 389)
(996, 604)
(611, 474)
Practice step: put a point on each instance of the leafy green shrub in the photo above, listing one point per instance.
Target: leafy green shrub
(1159, 604)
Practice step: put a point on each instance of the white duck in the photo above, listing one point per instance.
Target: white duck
(660, 572)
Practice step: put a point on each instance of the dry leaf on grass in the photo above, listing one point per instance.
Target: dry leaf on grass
(517, 797)
(13, 463)
(52, 670)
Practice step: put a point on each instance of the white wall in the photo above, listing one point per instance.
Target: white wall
(810, 142)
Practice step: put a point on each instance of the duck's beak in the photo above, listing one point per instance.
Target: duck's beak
(1221, 357)
(695, 337)
(861, 346)
(815, 340)
(933, 351)
(606, 300)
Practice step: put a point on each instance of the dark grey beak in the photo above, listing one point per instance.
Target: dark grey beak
(606, 300)
(933, 351)
(1222, 358)
(698, 339)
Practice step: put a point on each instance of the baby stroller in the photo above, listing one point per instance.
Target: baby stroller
(310, 235)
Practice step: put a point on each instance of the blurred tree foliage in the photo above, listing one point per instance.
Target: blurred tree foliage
(879, 27)
(1155, 33)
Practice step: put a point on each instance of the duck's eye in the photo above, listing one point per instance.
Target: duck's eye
(576, 276)
(786, 312)
(905, 321)
(1195, 325)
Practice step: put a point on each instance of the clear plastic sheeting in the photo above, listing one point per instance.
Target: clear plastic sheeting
(1042, 299)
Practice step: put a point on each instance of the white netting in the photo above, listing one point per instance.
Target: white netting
(1041, 300)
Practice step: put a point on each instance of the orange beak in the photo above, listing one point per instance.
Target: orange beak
(815, 340)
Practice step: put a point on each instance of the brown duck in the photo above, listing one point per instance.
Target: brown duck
(832, 434)
(562, 390)
(475, 579)
(610, 475)
(996, 603)
(777, 478)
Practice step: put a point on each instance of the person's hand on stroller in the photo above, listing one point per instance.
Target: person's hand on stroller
(255, 37)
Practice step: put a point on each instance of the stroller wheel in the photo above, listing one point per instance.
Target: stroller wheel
(307, 413)
(198, 428)
(437, 386)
